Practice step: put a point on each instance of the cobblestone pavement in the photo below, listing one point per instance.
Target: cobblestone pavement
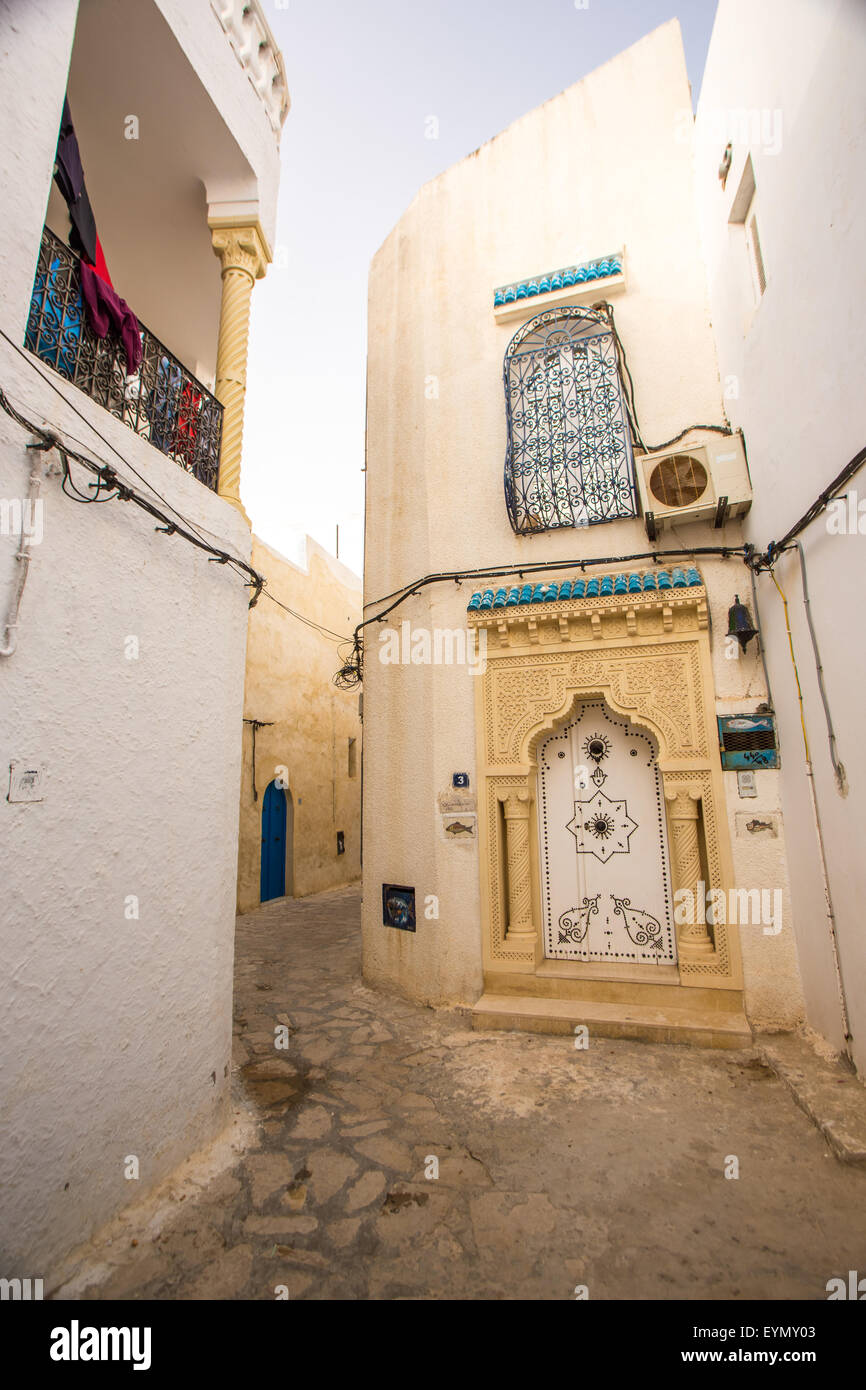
(557, 1167)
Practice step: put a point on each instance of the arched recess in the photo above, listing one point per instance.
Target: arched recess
(647, 656)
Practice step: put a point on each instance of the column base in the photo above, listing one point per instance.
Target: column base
(695, 950)
(521, 938)
(238, 506)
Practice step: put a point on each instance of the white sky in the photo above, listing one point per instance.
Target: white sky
(364, 76)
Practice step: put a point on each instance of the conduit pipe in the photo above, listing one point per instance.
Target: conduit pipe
(22, 557)
(825, 880)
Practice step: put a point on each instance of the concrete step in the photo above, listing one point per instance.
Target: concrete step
(700, 1027)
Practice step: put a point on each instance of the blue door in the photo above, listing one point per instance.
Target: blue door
(273, 884)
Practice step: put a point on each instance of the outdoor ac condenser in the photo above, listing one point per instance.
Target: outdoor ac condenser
(706, 480)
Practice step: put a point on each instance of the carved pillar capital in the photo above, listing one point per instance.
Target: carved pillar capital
(683, 800)
(515, 805)
(242, 249)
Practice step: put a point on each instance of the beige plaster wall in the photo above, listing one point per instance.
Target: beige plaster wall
(600, 166)
(289, 686)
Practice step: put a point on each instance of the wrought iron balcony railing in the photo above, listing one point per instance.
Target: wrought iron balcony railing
(161, 401)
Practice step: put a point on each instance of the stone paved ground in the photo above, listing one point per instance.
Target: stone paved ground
(557, 1167)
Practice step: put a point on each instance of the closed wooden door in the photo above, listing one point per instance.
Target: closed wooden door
(273, 876)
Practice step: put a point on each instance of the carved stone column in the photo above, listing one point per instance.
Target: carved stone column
(244, 257)
(520, 924)
(693, 937)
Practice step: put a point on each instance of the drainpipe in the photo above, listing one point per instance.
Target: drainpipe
(23, 556)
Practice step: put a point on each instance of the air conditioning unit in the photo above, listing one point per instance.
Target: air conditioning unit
(701, 480)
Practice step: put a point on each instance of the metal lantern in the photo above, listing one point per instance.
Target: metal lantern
(740, 623)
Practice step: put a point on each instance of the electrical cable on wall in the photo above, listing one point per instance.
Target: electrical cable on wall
(603, 306)
(351, 673)
(109, 487)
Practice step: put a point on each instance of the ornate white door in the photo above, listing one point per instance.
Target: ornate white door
(605, 876)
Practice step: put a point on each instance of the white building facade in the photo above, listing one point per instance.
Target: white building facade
(783, 242)
(123, 669)
(544, 791)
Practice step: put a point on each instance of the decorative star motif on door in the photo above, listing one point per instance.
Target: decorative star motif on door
(601, 827)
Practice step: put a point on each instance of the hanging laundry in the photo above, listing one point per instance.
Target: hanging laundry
(103, 306)
(105, 309)
(174, 410)
(69, 177)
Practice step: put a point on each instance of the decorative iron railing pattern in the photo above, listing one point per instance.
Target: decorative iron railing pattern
(161, 401)
(569, 459)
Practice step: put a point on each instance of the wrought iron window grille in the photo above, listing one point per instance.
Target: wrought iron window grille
(162, 401)
(569, 458)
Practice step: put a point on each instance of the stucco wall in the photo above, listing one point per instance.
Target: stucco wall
(289, 686)
(115, 1029)
(605, 164)
(796, 363)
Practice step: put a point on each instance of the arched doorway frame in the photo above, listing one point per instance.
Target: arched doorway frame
(647, 655)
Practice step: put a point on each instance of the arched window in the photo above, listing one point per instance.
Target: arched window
(569, 459)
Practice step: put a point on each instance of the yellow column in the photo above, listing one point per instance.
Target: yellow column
(244, 256)
(516, 811)
(693, 937)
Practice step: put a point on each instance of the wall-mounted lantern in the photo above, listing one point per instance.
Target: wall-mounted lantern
(740, 623)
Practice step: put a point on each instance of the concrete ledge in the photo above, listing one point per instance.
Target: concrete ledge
(832, 1097)
(699, 1027)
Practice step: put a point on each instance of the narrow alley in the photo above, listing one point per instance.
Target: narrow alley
(562, 1173)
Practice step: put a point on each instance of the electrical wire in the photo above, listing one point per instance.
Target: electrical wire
(628, 391)
(116, 489)
(28, 358)
(838, 769)
(760, 636)
(819, 834)
(108, 487)
(828, 495)
(325, 631)
(351, 673)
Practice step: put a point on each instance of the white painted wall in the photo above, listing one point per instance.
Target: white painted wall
(114, 1033)
(796, 68)
(607, 163)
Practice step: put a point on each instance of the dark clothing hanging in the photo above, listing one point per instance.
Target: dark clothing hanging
(102, 304)
(69, 177)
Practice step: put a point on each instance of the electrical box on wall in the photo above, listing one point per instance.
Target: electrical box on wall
(748, 741)
(26, 781)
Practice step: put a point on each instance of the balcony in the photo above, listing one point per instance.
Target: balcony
(162, 402)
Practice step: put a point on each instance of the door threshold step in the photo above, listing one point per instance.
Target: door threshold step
(699, 1027)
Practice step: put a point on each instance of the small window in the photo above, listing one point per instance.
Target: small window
(353, 757)
(744, 213)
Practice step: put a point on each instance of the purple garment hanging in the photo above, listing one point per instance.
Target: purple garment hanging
(105, 309)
